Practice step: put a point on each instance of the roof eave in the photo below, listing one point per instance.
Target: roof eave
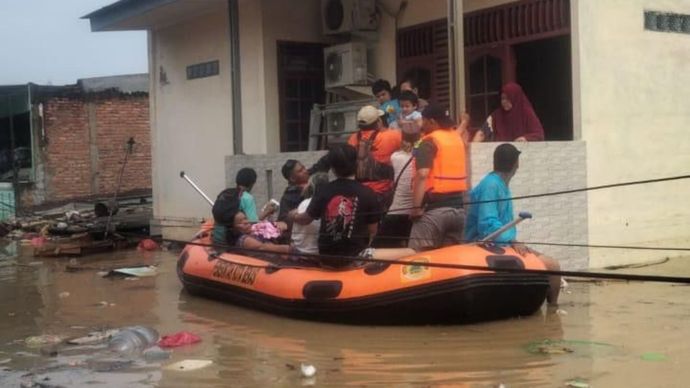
(111, 17)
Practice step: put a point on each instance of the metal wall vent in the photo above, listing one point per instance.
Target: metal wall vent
(202, 70)
(666, 22)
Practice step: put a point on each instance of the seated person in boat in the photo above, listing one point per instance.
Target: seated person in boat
(496, 210)
(349, 211)
(233, 200)
(297, 177)
(245, 180)
(242, 236)
(305, 238)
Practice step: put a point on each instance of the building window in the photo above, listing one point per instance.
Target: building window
(422, 53)
(301, 85)
(485, 81)
(202, 70)
(666, 22)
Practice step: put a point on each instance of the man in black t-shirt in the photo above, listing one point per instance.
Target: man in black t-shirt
(349, 211)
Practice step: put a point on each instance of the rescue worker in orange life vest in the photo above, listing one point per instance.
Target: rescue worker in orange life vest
(440, 182)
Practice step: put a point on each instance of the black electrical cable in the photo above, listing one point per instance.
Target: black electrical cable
(575, 274)
(556, 244)
(554, 193)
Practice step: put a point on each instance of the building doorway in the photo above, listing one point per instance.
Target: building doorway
(527, 42)
(544, 71)
(301, 85)
(15, 134)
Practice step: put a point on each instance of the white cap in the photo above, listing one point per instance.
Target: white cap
(368, 114)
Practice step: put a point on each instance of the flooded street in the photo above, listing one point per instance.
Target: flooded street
(611, 334)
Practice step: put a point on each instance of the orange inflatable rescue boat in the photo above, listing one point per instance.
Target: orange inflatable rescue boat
(375, 293)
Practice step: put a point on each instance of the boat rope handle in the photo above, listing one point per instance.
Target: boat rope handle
(573, 274)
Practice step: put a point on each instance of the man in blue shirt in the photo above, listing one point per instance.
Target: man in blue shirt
(494, 208)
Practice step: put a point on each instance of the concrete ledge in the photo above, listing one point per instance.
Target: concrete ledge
(182, 229)
(544, 167)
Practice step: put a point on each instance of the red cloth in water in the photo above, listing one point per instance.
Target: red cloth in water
(148, 245)
(38, 242)
(178, 339)
(520, 120)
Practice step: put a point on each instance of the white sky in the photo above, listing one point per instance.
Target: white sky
(46, 42)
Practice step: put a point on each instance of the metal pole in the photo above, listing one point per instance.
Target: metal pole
(128, 151)
(523, 216)
(456, 55)
(235, 77)
(13, 160)
(198, 190)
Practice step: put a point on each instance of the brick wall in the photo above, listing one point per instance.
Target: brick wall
(66, 155)
(83, 146)
(544, 167)
(117, 120)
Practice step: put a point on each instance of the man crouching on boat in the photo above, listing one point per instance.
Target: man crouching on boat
(495, 209)
(348, 210)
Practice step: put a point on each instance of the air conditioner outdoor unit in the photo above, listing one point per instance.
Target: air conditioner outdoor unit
(345, 64)
(340, 122)
(345, 16)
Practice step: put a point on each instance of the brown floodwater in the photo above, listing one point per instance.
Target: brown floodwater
(606, 334)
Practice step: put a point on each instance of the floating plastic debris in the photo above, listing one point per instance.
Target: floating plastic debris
(651, 356)
(148, 245)
(94, 337)
(140, 272)
(155, 353)
(307, 370)
(189, 365)
(178, 339)
(577, 383)
(133, 340)
(42, 340)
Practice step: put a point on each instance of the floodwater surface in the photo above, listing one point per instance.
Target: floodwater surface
(604, 334)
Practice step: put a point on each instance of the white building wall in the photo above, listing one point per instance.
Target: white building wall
(633, 98)
(252, 69)
(191, 119)
(282, 21)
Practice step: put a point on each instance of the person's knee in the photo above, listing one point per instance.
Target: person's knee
(550, 263)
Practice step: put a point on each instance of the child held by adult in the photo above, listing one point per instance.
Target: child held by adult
(381, 89)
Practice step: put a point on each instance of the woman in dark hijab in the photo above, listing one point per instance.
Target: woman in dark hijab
(515, 120)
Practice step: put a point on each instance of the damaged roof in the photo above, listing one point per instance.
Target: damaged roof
(127, 84)
(117, 85)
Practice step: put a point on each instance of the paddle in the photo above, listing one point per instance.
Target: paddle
(521, 217)
(198, 190)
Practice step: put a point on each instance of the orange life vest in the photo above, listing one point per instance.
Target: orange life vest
(448, 172)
